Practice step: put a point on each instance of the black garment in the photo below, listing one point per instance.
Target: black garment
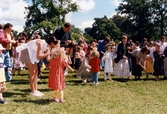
(39, 67)
(158, 63)
(136, 69)
(120, 52)
(165, 51)
(77, 63)
(62, 36)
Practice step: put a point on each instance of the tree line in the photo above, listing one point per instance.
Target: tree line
(137, 19)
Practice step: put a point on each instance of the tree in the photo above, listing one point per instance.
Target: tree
(145, 18)
(103, 27)
(47, 15)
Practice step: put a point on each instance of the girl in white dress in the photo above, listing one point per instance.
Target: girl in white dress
(108, 58)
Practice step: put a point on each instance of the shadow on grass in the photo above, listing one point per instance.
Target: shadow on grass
(28, 90)
(10, 94)
(74, 82)
(19, 82)
(36, 101)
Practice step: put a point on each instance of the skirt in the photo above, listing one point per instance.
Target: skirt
(24, 57)
(122, 69)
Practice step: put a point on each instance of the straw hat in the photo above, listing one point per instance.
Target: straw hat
(1, 47)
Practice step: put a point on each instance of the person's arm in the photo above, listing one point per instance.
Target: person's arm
(41, 55)
(3, 39)
(139, 63)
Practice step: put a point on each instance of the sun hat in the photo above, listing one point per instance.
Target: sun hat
(1, 47)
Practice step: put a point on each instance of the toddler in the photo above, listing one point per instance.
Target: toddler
(95, 67)
(56, 74)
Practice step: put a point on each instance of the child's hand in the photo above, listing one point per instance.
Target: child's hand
(10, 69)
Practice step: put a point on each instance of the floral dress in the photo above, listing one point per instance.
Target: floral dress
(56, 74)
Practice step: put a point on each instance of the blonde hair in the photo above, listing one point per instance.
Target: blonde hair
(59, 53)
(95, 54)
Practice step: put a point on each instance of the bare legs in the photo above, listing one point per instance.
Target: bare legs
(33, 69)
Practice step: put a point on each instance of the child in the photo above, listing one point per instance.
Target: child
(95, 66)
(108, 58)
(16, 62)
(79, 55)
(56, 74)
(2, 76)
(149, 66)
(158, 61)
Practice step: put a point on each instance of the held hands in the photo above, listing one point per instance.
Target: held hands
(124, 57)
(12, 41)
(68, 41)
(10, 69)
(47, 52)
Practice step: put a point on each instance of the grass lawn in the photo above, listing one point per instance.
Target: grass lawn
(111, 97)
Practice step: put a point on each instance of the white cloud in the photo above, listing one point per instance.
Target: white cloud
(12, 11)
(86, 5)
(68, 17)
(112, 15)
(85, 24)
(115, 2)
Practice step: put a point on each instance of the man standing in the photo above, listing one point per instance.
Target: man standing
(6, 39)
(63, 35)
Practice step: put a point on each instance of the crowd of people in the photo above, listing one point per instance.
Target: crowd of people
(59, 53)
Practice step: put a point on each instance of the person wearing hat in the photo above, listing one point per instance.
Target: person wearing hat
(2, 76)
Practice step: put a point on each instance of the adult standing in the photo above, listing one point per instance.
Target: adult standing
(63, 35)
(31, 53)
(121, 66)
(101, 49)
(7, 39)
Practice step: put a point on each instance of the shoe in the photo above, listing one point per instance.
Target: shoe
(3, 102)
(97, 84)
(93, 83)
(38, 92)
(38, 79)
(61, 101)
(84, 81)
(55, 100)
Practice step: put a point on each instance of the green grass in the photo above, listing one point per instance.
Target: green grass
(112, 97)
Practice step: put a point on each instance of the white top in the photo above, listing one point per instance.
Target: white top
(2, 73)
(163, 45)
(32, 49)
(108, 58)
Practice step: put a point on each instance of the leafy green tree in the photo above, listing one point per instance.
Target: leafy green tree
(159, 11)
(103, 27)
(47, 15)
(144, 18)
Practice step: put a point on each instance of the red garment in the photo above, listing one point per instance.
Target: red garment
(56, 74)
(3, 38)
(95, 64)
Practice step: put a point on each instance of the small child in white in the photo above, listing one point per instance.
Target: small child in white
(108, 58)
(2, 76)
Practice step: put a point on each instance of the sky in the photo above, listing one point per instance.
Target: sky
(12, 11)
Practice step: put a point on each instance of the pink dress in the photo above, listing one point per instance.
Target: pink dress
(56, 74)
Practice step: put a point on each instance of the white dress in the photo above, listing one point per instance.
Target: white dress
(108, 65)
(121, 69)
